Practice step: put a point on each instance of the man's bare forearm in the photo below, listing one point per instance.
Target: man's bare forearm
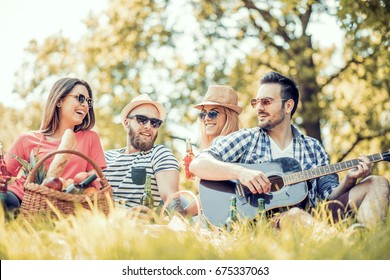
(209, 168)
(345, 185)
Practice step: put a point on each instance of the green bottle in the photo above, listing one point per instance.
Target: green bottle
(232, 218)
(261, 210)
(147, 198)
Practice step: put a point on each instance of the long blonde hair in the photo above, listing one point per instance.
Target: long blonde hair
(230, 126)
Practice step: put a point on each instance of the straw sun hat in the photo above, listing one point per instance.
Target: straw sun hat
(222, 96)
(140, 100)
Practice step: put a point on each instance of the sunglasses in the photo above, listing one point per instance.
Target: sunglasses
(211, 114)
(141, 119)
(81, 98)
(264, 101)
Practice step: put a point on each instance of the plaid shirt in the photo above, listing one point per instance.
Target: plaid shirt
(253, 146)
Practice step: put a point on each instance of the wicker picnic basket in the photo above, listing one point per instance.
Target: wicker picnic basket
(39, 199)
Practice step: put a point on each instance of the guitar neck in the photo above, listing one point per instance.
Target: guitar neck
(305, 175)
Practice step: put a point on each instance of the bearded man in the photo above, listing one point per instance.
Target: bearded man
(127, 167)
(276, 137)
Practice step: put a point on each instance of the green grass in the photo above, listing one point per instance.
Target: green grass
(90, 235)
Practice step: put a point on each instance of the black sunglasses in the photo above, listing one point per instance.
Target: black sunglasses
(81, 98)
(211, 114)
(141, 119)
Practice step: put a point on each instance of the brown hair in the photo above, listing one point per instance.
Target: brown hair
(231, 125)
(61, 89)
(289, 89)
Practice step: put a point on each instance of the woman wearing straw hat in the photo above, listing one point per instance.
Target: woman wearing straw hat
(218, 117)
(219, 114)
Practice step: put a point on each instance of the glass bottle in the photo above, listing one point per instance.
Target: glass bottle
(79, 188)
(147, 198)
(187, 159)
(232, 218)
(261, 210)
(3, 171)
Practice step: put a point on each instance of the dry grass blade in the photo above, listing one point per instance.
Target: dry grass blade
(122, 235)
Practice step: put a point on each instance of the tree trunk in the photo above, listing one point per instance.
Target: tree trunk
(306, 80)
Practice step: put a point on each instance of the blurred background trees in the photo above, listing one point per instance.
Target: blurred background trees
(173, 50)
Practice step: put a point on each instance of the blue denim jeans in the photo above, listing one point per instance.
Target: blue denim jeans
(10, 201)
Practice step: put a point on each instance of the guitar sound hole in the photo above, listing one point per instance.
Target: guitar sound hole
(276, 183)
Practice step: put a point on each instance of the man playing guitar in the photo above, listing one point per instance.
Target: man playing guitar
(276, 137)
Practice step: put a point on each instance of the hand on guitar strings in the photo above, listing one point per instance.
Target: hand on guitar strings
(256, 181)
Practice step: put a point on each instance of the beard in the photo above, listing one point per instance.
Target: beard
(273, 123)
(139, 143)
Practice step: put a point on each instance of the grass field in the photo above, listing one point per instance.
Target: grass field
(90, 235)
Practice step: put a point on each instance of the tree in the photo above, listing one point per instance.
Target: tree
(13, 122)
(174, 50)
(367, 44)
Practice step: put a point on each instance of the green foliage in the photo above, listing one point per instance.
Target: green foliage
(15, 122)
(27, 166)
(175, 51)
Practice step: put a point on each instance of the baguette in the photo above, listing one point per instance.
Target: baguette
(57, 166)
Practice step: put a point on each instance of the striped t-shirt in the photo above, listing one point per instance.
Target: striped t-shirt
(122, 169)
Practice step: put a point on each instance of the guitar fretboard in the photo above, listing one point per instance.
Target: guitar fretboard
(305, 175)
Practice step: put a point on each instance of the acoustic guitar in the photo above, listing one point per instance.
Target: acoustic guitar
(289, 187)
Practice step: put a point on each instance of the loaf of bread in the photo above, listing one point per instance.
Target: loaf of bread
(57, 166)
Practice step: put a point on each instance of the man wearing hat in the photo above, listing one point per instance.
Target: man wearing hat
(127, 167)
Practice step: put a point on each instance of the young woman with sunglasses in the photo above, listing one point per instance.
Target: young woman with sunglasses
(219, 114)
(218, 117)
(69, 106)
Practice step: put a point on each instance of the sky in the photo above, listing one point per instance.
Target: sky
(24, 20)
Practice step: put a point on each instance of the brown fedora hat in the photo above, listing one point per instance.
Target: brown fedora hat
(140, 100)
(222, 96)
